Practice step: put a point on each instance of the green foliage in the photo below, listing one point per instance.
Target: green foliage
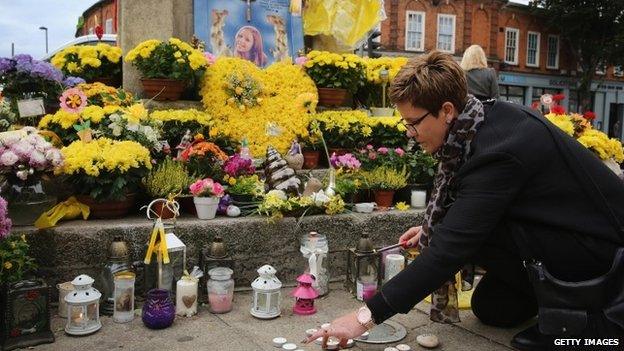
(245, 185)
(384, 178)
(14, 260)
(170, 177)
(108, 186)
(421, 166)
(162, 63)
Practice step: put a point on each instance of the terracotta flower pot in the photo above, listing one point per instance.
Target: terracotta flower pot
(108, 209)
(161, 89)
(310, 159)
(332, 96)
(383, 198)
(162, 210)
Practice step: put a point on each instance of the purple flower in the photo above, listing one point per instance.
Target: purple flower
(5, 221)
(236, 166)
(71, 82)
(23, 62)
(46, 71)
(6, 65)
(347, 161)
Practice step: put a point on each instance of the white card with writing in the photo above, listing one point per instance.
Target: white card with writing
(30, 107)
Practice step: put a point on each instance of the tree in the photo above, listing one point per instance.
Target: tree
(593, 30)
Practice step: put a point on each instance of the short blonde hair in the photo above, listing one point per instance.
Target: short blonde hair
(474, 57)
(430, 80)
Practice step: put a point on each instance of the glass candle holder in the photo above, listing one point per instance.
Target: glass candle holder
(419, 198)
(124, 297)
(186, 297)
(220, 290)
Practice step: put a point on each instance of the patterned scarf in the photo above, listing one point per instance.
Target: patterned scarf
(452, 155)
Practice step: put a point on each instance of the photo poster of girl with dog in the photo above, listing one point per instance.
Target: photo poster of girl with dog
(274, 31)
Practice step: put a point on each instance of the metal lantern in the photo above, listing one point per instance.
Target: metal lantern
(25, 316)
(304, 295)
(314, 248)
(118, 262)
(363, 269)
(216, 255)
(83, 313)
(266, 294)
(162, 275)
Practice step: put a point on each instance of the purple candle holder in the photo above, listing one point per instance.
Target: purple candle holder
(158, 309)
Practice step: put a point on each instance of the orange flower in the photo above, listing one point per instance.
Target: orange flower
(203, 148)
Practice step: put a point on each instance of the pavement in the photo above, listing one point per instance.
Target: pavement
(239, 331)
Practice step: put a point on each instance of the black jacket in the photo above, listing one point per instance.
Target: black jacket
(518, 178)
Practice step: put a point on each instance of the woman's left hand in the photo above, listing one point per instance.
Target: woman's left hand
(344, 328)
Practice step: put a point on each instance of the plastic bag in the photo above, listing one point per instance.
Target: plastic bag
(69, 209)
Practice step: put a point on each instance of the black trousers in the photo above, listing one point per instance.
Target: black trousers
(505, 298)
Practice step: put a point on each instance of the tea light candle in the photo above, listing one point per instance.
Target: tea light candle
(403, 347)
(419, 198)
(332, 343)
(289, 347)
(311, 331)
(350, 343)
(186, 297)
(365, 335)
(393, 264)
(279, 342)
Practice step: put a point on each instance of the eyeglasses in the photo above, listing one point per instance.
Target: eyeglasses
(411, 127)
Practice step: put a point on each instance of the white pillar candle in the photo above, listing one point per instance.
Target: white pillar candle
(186, 297)
(394, 263)
(419, 198)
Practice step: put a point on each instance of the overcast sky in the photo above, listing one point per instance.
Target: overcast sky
(20, 21)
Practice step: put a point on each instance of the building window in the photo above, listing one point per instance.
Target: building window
(91, 31)
(533, 44)
(511, 45)
(415, 31)
(573, 101)
(512, 93)
(553, 52)
(108, 26)
(618, 71)
(446, 33)
(601, 69)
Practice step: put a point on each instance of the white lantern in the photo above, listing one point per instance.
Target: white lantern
(267, 294)
(83, 310)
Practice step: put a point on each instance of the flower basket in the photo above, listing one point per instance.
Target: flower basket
(162, 210)
(162, 89)
(333, 97)
(206, 207)
(382, 111)
(384, 198)
(108, 208)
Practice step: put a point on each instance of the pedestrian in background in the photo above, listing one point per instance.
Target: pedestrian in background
(482, 81)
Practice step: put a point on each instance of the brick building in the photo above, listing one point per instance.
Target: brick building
(530, 59)
(104, 13)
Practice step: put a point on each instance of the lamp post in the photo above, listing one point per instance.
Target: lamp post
(46, 36)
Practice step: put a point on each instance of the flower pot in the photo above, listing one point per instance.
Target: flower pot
(383, 198)
(27, 200)
(108, 209)
(382, 111)
(162, 210)
(332, 96)
(310, 159)
(162, 89)
(206, 207)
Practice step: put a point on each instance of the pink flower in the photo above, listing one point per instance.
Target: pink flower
(369, 147)
(23, 149)
(197, 188)
(210, 58)
(301, 60)
(73, 100)
(399, 151)
(206, 187)
(217, 190)
(372, 155)
(383, 150)
(8, 158)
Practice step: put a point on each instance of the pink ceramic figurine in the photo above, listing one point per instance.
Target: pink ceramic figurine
(304, 295)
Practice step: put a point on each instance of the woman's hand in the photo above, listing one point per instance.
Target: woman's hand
(411, 236)
(344, 328)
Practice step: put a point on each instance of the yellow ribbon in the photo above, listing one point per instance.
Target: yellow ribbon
(189, 277)
(158, 243)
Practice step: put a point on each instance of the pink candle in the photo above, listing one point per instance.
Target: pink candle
(369, 291)
(220, 303)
